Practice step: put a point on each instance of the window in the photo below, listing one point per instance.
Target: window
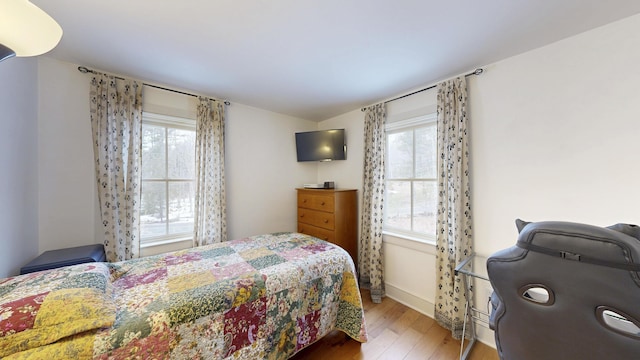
(411, 187)
(168, 178)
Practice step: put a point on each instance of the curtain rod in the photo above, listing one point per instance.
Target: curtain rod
(477, 71)
(85, 70)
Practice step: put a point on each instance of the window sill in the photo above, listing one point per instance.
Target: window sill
(406, 236)
(160, 242)
(409, 242)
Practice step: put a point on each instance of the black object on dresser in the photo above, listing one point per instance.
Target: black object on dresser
(64, 257)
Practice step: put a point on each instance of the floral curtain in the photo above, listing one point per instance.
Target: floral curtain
(116, 123)
(210, 205)
(370, 259)
(453, 229)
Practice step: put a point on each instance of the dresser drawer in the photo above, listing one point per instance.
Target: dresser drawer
(330, 215)
(320, 233)
(316, 202)
(321, 219)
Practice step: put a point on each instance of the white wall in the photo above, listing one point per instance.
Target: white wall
(554, 136)
(262, 172)
(68, 213)
(406, 261)
(409, 265)
(346, 174)
(18, 164)
(261, 168)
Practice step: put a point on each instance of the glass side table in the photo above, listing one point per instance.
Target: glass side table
(473, 268)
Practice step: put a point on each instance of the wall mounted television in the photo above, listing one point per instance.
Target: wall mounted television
(321, 145)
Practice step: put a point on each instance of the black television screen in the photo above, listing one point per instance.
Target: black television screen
(322, 145)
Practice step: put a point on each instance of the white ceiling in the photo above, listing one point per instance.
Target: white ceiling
(312, 59)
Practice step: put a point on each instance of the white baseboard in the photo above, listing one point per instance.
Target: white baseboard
(484, 335)
(405, 298)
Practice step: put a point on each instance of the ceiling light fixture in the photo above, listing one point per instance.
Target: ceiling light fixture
(26, 30)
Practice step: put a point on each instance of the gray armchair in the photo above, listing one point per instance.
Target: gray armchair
(567, 291)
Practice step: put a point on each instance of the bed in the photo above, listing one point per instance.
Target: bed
(262, 297)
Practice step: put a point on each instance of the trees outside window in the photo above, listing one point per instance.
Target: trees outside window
(411, 179)
(168, 178)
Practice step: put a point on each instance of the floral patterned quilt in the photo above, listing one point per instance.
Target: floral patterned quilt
(262, 297)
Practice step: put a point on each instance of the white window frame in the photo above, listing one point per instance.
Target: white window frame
(167, 122)
(396, 127)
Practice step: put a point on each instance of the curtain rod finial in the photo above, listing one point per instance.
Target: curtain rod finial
(478, 71)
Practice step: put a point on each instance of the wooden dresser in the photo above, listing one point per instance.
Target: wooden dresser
(331, 215)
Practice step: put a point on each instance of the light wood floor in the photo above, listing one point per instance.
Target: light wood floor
(396, 332)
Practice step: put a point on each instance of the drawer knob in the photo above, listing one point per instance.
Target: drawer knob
(304, 201)
(322, 203)
(326, 221)
(302, 215)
